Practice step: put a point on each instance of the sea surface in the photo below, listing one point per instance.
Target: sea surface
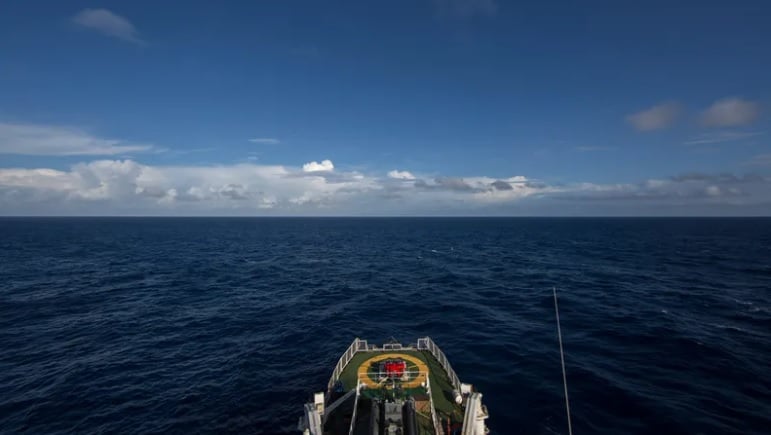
(217, 325)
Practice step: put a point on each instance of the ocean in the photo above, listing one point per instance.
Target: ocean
(228, 325)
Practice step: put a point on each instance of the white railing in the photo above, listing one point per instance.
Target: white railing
(426, 343)
(356, 346)
(434, 418)
(376, 379)
(380, 374)
(355, 408)
(393, 346)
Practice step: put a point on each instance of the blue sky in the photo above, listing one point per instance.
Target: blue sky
(421, 107)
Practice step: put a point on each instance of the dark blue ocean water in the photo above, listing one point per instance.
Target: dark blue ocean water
(228, 325)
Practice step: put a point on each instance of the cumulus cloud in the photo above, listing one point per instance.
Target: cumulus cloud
(324, 166)
(730, 112)
(477, 191)
(466, 8)
(447, 183)
(501, 185)
(31, 139)
(265, 140)
(129, 187)
(213, 187)
(107, 23)
(400, 175)
(452, 183)
(119, 186)
(655, 118)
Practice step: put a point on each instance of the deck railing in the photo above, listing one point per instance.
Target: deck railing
(434, 418)
(355, 408)
(380, 374)
(426, 343)
(356, 346)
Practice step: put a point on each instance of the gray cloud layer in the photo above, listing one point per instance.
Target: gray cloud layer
(726, 112)
(656, 117)
(730, 112)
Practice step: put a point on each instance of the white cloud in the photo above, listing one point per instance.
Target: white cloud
(265, 140)
(38, 179)
(713, 191)
(656, 118)
(107, 23)
(730, 112)
(686, 189)
(31, 139)
(126, 182)
(400, 175)
(128, 187)
(722, 136)
(324, 166)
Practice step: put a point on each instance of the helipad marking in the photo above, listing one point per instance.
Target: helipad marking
(414, 383)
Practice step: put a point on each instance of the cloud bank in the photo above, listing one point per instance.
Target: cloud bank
(127, 187)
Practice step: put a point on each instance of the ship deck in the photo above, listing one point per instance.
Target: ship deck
(441, 386)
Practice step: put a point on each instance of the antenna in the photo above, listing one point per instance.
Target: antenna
(562, 358)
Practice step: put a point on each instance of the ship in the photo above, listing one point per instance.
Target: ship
(395, 389)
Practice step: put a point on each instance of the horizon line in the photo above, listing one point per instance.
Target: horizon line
(384, 217)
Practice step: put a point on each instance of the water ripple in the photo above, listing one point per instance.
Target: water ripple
(228, 325)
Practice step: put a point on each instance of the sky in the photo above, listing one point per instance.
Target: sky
(419, 107)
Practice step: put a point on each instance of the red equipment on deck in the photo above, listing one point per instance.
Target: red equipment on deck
(395, 368)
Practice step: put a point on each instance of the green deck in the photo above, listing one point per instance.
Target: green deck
(440, 381)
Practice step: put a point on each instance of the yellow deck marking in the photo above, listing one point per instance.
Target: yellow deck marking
(414, 383)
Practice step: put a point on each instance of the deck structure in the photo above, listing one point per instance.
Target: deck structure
(396, 389)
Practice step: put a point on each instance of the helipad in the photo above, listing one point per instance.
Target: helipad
(417, 381)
